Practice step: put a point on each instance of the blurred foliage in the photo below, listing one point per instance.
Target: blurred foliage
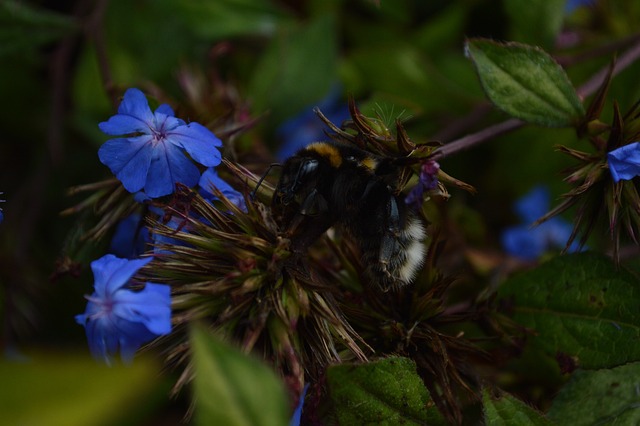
(65, 63)
(71, 389)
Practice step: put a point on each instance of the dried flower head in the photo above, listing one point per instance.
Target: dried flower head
(232, 270)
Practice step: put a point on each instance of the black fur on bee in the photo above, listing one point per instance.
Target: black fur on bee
(332, 184)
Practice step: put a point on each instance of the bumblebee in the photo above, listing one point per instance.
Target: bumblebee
(329, 184)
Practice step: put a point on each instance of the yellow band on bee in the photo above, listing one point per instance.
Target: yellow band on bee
(370, 163)
(328, 151)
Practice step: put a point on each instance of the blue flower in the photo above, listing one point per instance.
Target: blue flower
(427, 180)
(130, 237)
(530, 243)
(295, 418)
(572, 5)
(306, 127)
(624, 162)
(1, 212)
(117, 318)
(210, 179)
(152, 157)
(160, 241)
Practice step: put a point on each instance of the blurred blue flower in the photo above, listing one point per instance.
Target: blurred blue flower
(529, 242)
(306, 127)
(295, 418)
(117, 318)
(177, 224)
(624, 162)
(152, 157)
(427, 180)
(130, 237)
(1, 212)
(572, 5)
(210, 179)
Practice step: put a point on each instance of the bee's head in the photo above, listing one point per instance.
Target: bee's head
(298, 173)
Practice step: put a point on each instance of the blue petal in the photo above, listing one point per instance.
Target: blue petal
(524, 242)
(295, 418)
(169, 166)
(119, 125)
(533, 205)
(210, 179)
(571, 5)
(131, 336)
(165, 109)
(134, 115)
(305, 128)
(111, 273)
(102, 338)
(198, 141)
(150, 306)
(102, 270)
(166, 123)
(624, 162)
(130, 237)
(175, 223)
(129, 159)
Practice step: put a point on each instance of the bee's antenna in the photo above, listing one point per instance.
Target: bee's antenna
(255, 190)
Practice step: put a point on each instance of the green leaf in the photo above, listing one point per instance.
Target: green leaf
(581, 306)
(388, 391)
(507, 410)
(223, 19)
(297, 70)
(599, 397)
(526, 83)
(23, 26)
(536, 22)
(233, 389)
(69, 390)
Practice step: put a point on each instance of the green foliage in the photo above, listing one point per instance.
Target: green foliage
(24, 27)
(233, 18)
(535, 22)
(70, 390)
(508, 410)
(231, 388)
(599, 397)
(286, 83)
(255, 64)
(581, 306)
(387, 391)
(526, 83)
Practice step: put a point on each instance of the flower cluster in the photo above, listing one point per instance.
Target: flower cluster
(157, 153)
(187, 247)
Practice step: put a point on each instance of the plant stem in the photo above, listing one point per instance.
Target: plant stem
(95, 31)
(587, 89)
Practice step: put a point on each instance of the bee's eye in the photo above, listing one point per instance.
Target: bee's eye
(307, 167)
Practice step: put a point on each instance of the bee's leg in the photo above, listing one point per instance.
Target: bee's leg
(314, 205)
(310, 222)
(390, 247)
